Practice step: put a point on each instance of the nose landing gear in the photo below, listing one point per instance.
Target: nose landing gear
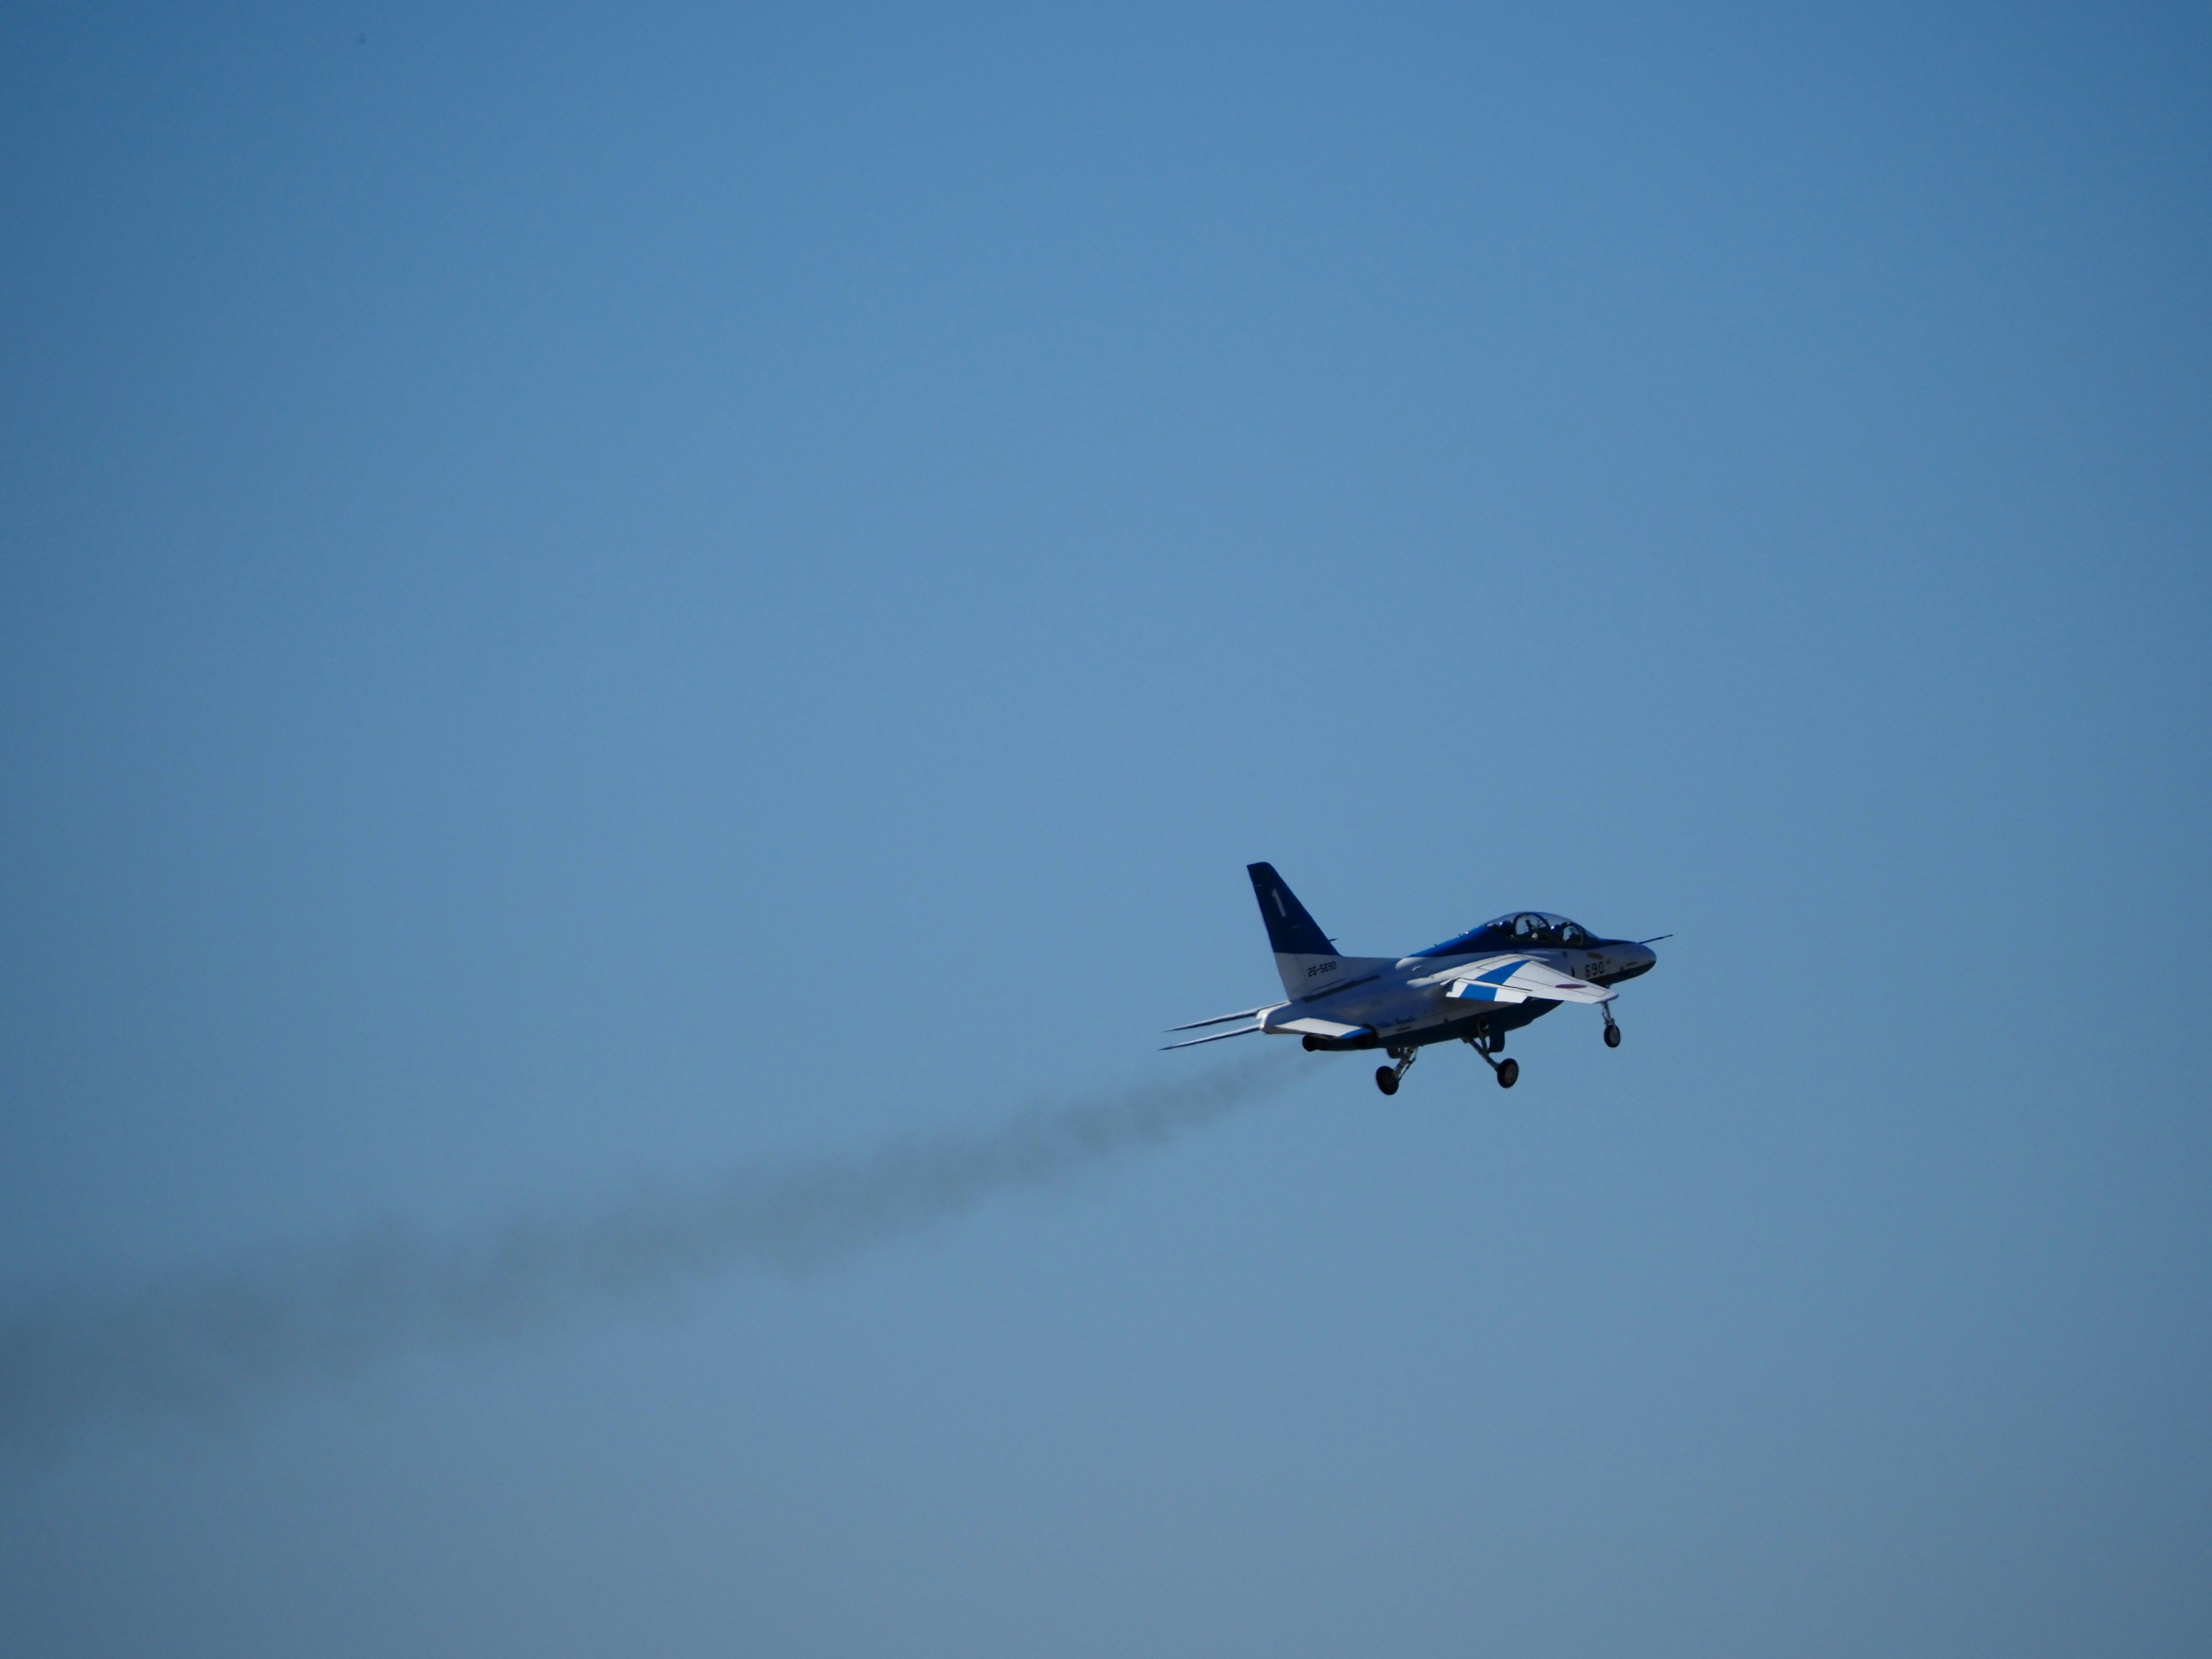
(1611, 1031)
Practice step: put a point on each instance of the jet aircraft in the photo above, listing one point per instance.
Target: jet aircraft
(1472, 989)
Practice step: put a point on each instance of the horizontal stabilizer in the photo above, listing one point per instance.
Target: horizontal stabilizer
(1223, 1019)
(1517, 979)
(1218, 1036)
(1319, 1028)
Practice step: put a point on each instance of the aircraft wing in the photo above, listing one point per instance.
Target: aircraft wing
(1517, 979)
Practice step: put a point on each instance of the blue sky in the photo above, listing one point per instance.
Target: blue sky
(589, 598)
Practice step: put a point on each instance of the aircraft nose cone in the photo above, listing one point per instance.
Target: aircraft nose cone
(1638, 959)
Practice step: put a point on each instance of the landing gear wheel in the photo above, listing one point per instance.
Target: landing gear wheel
(1386, 1079)
(1613, 1037)
(1509, 1074)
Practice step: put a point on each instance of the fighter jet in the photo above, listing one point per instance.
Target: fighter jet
(1472, 989)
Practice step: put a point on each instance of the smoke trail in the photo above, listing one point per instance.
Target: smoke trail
(215, 1340)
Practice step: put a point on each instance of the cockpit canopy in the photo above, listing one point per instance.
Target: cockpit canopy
(1537, 928)
(1521, 928)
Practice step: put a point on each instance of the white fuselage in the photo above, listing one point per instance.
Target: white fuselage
(1404, 998)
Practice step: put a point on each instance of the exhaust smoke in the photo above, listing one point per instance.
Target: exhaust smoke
(211, 1341)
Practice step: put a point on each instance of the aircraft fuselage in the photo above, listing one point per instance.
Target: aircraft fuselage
(1402, 1003)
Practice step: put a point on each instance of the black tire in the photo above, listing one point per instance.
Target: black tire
(1386, 1079)
(1509, 1074)
(1613, 1037)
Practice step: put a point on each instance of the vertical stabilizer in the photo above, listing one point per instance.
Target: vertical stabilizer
(1303, 955)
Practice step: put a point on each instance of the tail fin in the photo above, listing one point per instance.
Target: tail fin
(1290, 929)
(1303, 955)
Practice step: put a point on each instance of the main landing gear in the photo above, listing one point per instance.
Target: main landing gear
(1386, 1077)
(1611, 1031)
(1488, 1046)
